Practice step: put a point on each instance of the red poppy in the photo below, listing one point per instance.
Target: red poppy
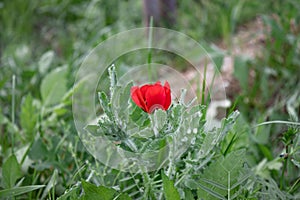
(152, 96)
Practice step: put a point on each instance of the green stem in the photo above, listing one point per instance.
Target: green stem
(73, 152)
(149, 60)
(204, 83)
(13, 111)
(282, 182)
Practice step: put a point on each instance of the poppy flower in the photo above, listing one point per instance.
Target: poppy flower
(152, 96)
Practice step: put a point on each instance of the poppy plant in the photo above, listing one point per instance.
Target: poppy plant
(152, 96)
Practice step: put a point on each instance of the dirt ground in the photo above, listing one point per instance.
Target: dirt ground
(247, 42)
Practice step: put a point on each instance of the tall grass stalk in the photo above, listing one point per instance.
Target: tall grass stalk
(282, 181)
(149, 59)
(278, 122)
(204, 83)
(13, 111)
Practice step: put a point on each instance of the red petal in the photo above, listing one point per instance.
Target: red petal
(144, 89)
(168, 95)
(155, 97)
(152, 96)
(137, 98)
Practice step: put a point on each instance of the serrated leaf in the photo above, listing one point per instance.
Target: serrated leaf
(241, 180)
(119, 102)
(29, 116)
(11, 171)
(45, 61)
(105, 105)
(215, 184)
(175, 112)
(53, 87)
(12, 192)
(170, 190)
(222, 175)
(209, 191)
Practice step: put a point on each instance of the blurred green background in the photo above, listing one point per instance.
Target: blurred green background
(42, 42)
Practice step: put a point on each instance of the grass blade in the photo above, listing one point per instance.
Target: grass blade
(12, 192)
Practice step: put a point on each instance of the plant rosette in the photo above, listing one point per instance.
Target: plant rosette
(147, 129)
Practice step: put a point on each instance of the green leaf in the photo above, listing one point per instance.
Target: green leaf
(136, 115)
(12, 192)
(170, 191)
(113, 78)
(45, 61)
(158, 119)
(29, 116)
(144, 133)
(105, 105)
(188, 195)
(38, 150)
(124, 197)
(236, 139)
(92, 129)
(176, 111)
(139, 117)
(220, 178)
(124, 96)
(92, 192)
(53, 87)
(213, 138)
(209, 191)
(11, 171)
(120, 102)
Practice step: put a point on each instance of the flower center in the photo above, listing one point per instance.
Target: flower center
(154, 107)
